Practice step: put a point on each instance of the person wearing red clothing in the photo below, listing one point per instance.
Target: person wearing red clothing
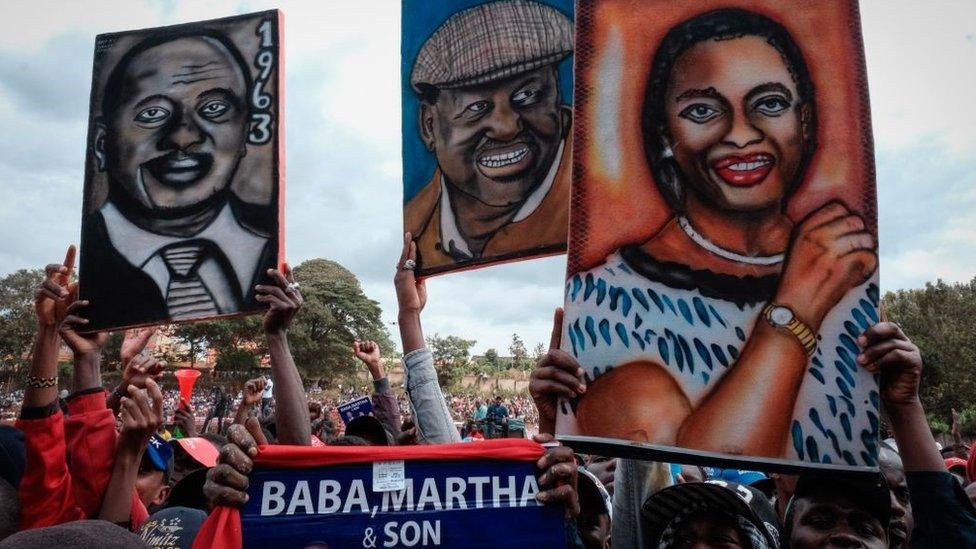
(55, 489)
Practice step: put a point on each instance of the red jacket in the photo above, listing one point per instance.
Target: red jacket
(69, 464)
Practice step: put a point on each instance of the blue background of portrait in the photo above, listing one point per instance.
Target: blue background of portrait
(420, 18)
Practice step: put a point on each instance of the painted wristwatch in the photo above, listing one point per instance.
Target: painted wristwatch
(782, 317)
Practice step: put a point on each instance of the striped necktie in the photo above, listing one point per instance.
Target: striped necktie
(187, 296)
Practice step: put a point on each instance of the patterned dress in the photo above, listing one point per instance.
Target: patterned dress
(696, 323)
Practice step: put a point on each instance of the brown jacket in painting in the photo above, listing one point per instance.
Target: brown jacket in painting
(541, 233)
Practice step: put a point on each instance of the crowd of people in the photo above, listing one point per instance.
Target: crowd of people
(132, 465)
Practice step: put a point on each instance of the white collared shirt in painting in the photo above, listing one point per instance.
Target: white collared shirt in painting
(242, 248)
(451, 240)
(615, 315)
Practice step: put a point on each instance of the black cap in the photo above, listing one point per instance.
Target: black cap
(13, 455)
(188, 492)
(663, 507)
(172, 528)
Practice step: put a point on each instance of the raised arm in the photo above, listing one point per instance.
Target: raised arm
(250, 397)
(385, 406)
(141, 415)
(284, 301)
(431, 415)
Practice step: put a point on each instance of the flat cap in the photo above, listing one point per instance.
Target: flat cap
(490, 42)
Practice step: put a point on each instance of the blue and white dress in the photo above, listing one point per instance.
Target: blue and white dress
(696, 323)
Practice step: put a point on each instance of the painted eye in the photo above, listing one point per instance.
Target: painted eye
(772, 105)
(477, 108)
(213, 109)
(525, 97)
(700, 113)
(152, 115)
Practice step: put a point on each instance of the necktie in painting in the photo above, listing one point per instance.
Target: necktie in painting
(186, 295)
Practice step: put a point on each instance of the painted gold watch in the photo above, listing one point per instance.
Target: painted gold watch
(781, 316)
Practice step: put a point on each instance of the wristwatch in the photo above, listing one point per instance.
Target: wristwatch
(781, 316)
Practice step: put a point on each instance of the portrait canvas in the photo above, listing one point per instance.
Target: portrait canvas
(487, 119)
(723, 251)
(184, 190)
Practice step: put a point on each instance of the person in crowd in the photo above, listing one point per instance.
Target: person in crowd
(217, 411)
(78, 534)
(558, 375)
(143, 460)
(266, 396)
(595, 509)
(54, 489)
(12, 462)
(835, 511)
(385, 406)
(480, 410)
(250, 397)
(284, 300)
(431, 415)
(901, 523)
(710, 514)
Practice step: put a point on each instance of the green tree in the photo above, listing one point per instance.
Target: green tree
(237, 360)
(17, 321)
(451, 357)
(491, 359)
(336, 312)
(939, 319)
(538, 352)
(520, 355)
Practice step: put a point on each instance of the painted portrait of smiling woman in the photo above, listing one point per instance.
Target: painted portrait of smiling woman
(731, 329)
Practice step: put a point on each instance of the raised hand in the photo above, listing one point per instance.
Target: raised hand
(557, 374)
(411, 293)
(831, 253)
(56, 293)
(135, 341)
(558, 477)
(141, 414)
(886, 350)
(367, 351)
(252, 391)
(79, 343)
(140, 369)
(283, 299)
(227, 481)
(186, 418)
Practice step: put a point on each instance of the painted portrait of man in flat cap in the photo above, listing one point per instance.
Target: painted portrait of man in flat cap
(182, 181)
(493, 123)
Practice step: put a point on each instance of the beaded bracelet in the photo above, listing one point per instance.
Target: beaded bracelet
(41, 382)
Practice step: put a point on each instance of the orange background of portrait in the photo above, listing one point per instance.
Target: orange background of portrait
(615, 200)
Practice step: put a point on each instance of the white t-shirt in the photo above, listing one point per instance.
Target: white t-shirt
(268, 387)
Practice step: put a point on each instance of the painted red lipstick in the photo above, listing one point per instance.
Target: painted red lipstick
(746, 170)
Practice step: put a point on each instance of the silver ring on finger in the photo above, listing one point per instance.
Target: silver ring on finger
(292, 287)
(409, 265)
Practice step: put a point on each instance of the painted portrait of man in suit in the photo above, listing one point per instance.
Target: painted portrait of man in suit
(173, 239)
(491, 112)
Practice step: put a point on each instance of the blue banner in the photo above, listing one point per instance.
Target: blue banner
(349, 411)
(481, 503)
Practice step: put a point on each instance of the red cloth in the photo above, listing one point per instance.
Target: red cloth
(69, 464)
(222, 529)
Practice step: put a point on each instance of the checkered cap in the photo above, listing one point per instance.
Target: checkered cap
(492, 41)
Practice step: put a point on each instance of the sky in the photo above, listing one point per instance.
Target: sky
(343, 147)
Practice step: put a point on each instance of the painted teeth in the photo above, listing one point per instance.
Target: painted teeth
(748, 166)
(507, 159)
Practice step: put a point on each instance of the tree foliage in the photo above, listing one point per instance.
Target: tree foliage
(17, 321)
(336, 312)
(939, 318)
(451, 357)
(520, 354)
